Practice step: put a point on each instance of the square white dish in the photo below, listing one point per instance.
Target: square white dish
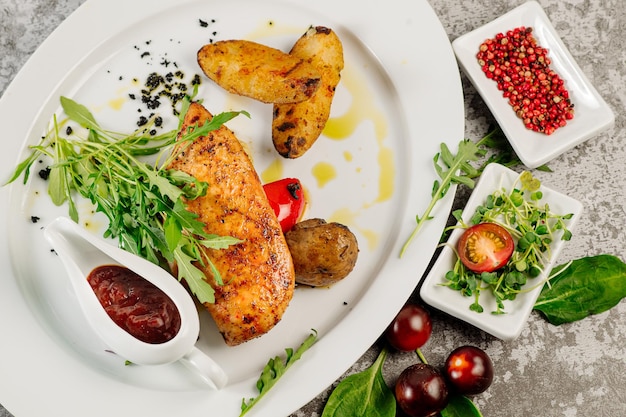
(509, 325)
(592, 114)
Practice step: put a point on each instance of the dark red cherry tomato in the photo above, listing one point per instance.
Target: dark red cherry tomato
(287, 199)
(485, 247)
(469, 370)
(421, 391)
(410, 329)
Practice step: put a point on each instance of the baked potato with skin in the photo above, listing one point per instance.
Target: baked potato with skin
(258, 71)
(323, 253)
(296, 126)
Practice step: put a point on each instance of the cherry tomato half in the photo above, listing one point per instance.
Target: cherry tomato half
(485, 247)
(287, 199)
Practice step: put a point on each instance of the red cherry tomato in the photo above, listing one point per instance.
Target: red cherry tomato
(410, 329)
(485, 247)
(287, 199)
(469, 370)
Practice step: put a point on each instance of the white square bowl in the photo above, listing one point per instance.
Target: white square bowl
(592, 115)
(509, 325)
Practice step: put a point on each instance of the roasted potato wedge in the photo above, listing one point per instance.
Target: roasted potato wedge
(258, 71)
(323, 253)
(296, 126)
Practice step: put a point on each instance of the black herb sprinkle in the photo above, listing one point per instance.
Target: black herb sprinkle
(44, 173)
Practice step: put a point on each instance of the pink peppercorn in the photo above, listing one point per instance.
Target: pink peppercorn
(521, 69)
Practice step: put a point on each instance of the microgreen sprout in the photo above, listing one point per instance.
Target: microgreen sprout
(533, 226)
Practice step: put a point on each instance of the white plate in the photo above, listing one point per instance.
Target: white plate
(507, 326)
(384, 176)
(592, 115)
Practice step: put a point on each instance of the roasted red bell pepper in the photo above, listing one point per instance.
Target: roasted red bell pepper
(287, 199)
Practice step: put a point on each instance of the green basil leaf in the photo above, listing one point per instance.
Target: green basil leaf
(587, 286)
(460, 406)
(364, 394)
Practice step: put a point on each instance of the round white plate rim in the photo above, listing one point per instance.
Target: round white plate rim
(27, 371)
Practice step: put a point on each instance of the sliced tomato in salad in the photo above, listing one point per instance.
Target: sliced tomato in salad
(485, 247)
(287, 199)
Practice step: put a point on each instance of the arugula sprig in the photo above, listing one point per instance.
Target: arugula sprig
(143, 202)
(275, 369)
(451, 169)
(533, 226)
(458, 169)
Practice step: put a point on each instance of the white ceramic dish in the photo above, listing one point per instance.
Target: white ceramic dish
(592, 114)
(81, 252)
(383, 177)
(507, 326)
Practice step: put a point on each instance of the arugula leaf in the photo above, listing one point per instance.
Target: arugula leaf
(586, 286)
(504, 153)
(193, 276)
(219, 242)
(451, 169)
(276, 368)
(163, 184)
(173, 232)
(23, 168)
(364, 394)
(457, 169)
(79, 113)
(144, 203)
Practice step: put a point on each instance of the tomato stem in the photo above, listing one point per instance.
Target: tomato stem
(421, 356)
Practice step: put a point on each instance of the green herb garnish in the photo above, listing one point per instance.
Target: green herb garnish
(144, 202)
(457, 169)
(583, 287)
(276, 368)
(366, 394)
(451, 169)
(363, 394)
(460, 406)
(533, 226)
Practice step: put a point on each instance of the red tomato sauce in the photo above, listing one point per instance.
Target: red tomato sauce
(135, 304)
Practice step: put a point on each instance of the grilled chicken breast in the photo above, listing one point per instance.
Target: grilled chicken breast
(258, 273)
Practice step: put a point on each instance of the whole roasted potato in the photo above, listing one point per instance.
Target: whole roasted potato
(323, 253)
(296, 126)
(258, 71)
